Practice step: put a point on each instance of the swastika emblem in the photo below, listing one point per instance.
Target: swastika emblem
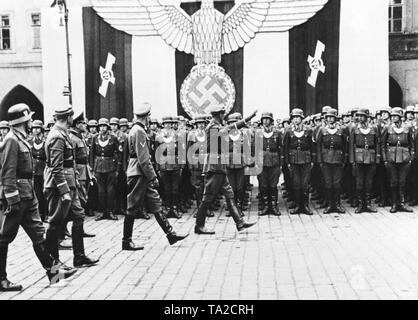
(205, 87)
(316, 63)
(106, 74)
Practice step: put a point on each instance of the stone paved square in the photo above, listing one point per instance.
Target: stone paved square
(367, 256)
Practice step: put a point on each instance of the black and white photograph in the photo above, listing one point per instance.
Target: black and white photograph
(208, 154)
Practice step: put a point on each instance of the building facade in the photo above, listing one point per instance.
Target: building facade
(21, 53)
(403, 52)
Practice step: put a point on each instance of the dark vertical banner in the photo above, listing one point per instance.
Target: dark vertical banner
(303, 41)
(99, 40)
(233, 63)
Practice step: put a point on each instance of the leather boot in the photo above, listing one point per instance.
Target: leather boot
(80, 259)
(337, 201)
(55, 270)
(100, 216)
(200, 219)
(305, 203)
(297, 209)
(236, 215)
(361, 202)
(267, 204)
(112, 217)
(394, 196)
(127, 243)
(274, 197)
(51, 243)
(368, 207)
(328, 200)
(5, 284)
(172, 237)
(261, 204)
(403, 207)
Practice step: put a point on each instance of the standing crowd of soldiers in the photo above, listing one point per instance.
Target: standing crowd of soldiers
(71, 168)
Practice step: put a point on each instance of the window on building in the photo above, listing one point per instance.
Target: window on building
(5, 41)
(36, 27)
(396, 16)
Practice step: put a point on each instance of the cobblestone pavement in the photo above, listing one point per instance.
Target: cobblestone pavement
(368, 256)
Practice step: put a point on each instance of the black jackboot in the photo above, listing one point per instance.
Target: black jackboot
(274, 198)
(305, 203)
(80, 259)
(403, 207)
(368, 204)
(261, 203)
(267, 202)
(55, 270)
(337, 202)
(5, 284)
(52, 243)
(172, 237)
(236, 215)
(127, 243)
(201, 218)
(394, 196)
(328, 200)
(298, 209)
(361, 201)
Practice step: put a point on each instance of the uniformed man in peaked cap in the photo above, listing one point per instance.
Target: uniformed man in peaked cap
(19, 206)
(216, 180)
(104, 157)
(83, 172)
(39, 162)
(143, 182)
(60, 188)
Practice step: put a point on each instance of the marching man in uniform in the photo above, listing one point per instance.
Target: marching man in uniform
(332, 152)
(299, 154)
(18, 199)
(216, 180)
(143, 182)
(397, 153)
(60, 189)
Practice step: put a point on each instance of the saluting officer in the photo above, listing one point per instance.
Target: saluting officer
(397, 154)
(332, 152)
(364, 155)
(60, 189)
(83, 172)
(18, 199)
(39, 162)
(143, 182)
(272, 160)
(216, 180)
(299, 155)
(104, 155)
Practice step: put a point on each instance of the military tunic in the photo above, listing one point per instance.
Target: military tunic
(104, 157)
(39, 164)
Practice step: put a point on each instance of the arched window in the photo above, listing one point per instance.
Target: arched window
(20, 94)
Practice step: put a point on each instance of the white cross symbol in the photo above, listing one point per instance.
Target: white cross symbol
(316, 63)
(106, 74)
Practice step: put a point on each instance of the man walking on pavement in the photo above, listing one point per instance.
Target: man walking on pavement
(61, 189)
(143, 182)
(215, 170)
(19, 206)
